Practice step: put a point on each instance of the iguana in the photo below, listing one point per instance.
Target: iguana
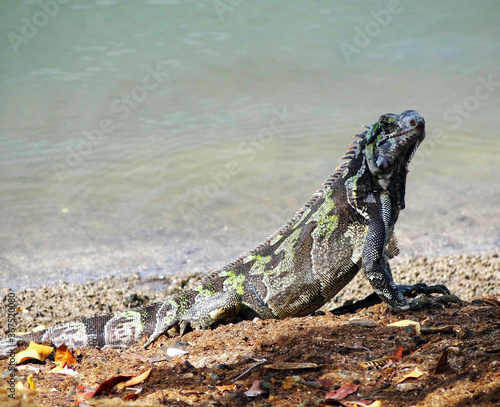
(346, 226)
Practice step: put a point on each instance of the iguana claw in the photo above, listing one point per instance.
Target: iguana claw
(422, 288)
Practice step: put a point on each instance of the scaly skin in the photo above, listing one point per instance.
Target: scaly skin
(345, 227)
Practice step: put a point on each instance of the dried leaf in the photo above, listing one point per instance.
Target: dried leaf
(64, 355)
(412, 375)
(442, 362)
(341, 393)
(136, 379)
(34, 351)
(292, 366)
(226, 387)
(398, 353)
(131, 397)
(107, 385)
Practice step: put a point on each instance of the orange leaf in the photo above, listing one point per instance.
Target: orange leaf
(398, 353)
(107, 385)
(341, 393)
(34, 351)
(124, 381)
(412, 375)
(131, 397)
(226, 387)
(63, 355)
(136, 379)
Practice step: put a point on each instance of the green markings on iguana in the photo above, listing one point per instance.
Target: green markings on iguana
(259, 265)
(327, 222)
(234, 281)
(205, 291)
(288, 247)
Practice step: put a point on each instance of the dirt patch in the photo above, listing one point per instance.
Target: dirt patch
(212, 372)
(221, 365)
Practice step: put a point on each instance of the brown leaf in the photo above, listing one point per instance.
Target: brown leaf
(131, 397)
(64, 355)
(442, 362)
(136, 379)
(107, 385)
(341, 393)
(398, 353)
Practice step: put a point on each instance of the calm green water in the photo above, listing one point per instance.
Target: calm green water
(171, 136)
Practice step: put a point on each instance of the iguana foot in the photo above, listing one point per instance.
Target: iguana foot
(219, 308)
(422, 298)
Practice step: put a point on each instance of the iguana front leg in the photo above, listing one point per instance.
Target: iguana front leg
(377, 269)
(196, 310)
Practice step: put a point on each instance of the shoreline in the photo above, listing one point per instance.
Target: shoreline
(468, 276)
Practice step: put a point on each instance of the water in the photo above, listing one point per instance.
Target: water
(171, 136)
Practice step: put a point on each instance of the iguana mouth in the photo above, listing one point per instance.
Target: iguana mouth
(400, 134)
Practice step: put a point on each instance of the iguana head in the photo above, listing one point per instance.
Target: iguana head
(392, 142)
